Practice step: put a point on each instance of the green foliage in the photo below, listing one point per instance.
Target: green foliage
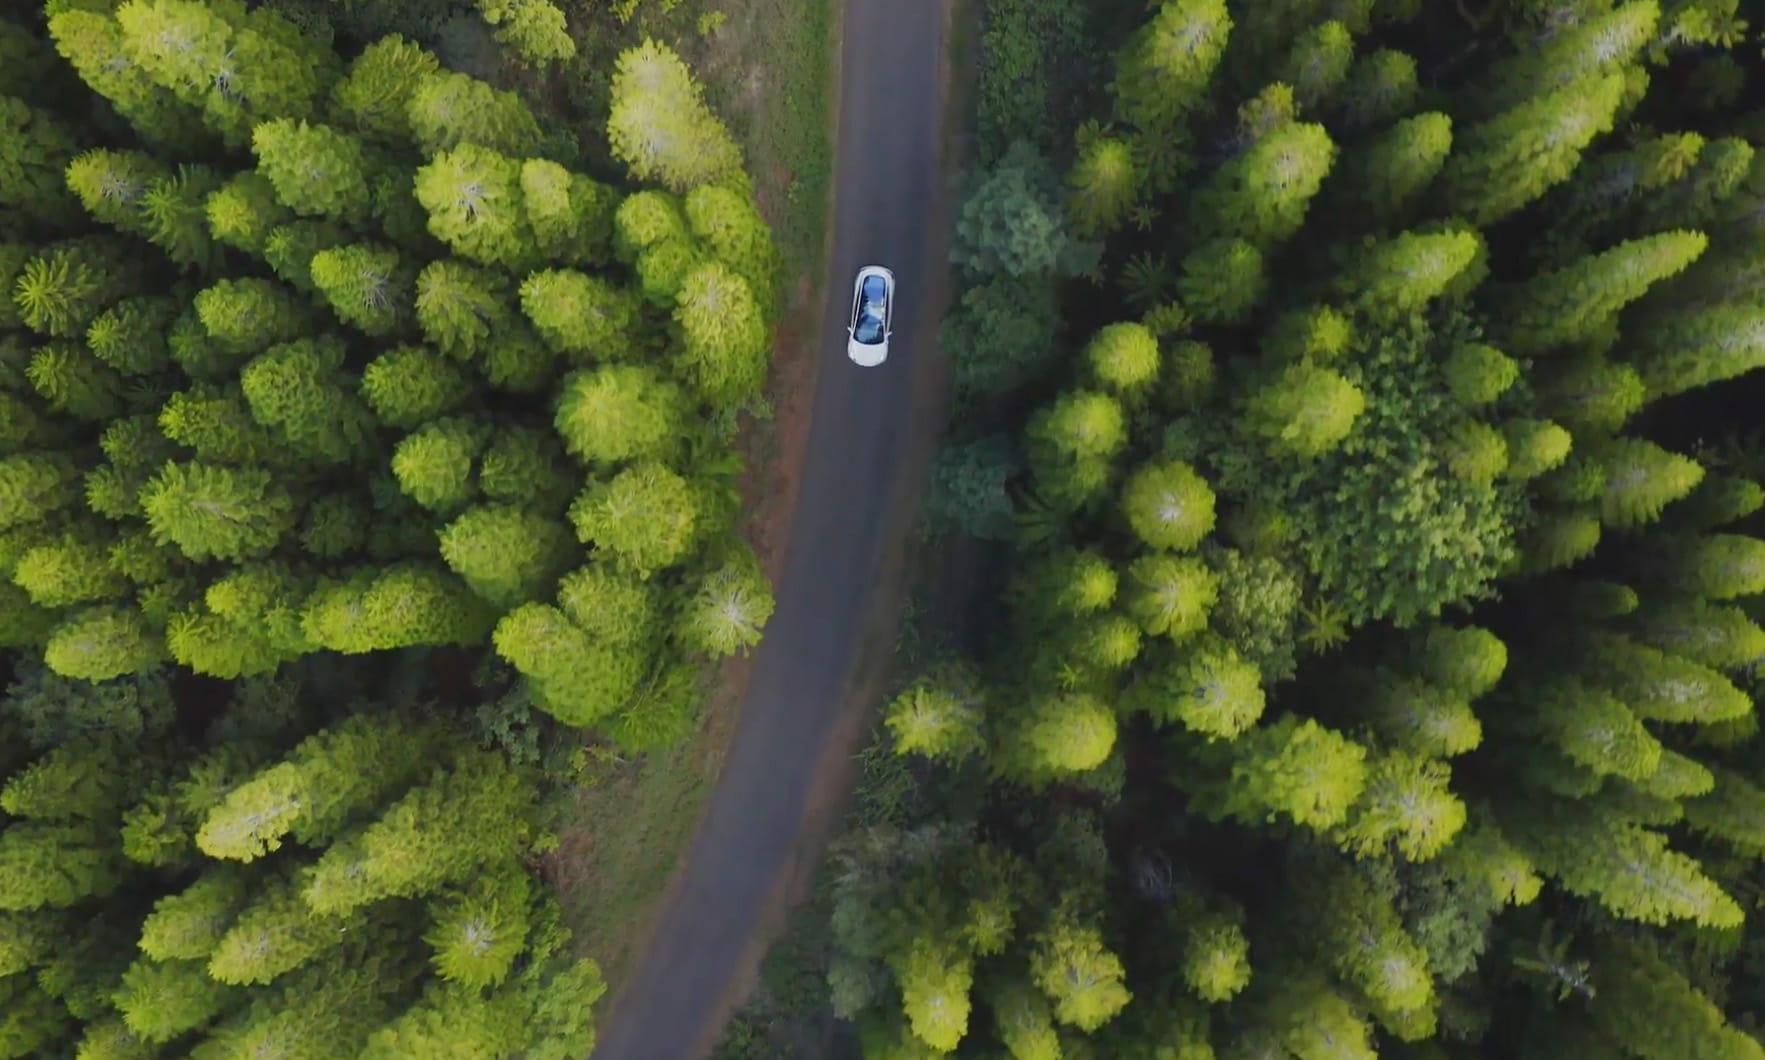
(659, 125)
(1011, 221)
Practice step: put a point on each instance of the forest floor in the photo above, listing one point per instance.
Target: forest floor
(767, 70)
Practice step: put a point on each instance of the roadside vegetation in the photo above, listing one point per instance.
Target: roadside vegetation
(370, 463)
(1355, 412)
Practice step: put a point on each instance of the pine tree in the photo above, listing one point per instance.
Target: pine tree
(1395, 277)
(1384, 178)
(130, 336)
(373, 98)
(1169, 595)
(325, 783)
(1304, 411)
(1079, 974)
(448, 110)
(619, 412)
(71, 380)
(507, 554)
(1593, 395)
(434, 464)
(85, 779)
(1290, 768)
(163, 1000)
(611, 605)
(729, 609)
(577, 680)
(579, 314)
(660, 126)
(99, 643)
(1205, 686)
(35, 148)
(1601, 43)
(571, 215)
(1640, 479)
(92, 42)
(245, 316)
(1318, 65)
(1505, 162)
(1168, 505)
(1105, 183)
(61, 290)
(478, 932)
(1261, 195)
(401, 606)
(1642, 1001)
(275, 933)
(1688, 350)
(1222, 281)
(1626, 868)
(1381, 86)
(940, 714)
(188, 925)
(208, 511)
(459, 307)
(647, 515)
(56, 865)
(368, 285)
(466, 816)
(534, 29)
(1713, 635)
(1572, 305)
(290, 249)
(111, 185)
(475, 204)
(408, 386)
(73, 568)
(1166, 68)
(724, 341)
(34, 485)
(299, 392)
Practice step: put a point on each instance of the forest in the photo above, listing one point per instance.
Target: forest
(366, 443)
(1356, 425)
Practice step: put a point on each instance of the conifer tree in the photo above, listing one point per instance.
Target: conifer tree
(1640, 478)
(1395, 277)
(275, 933)
(111, 185)
(208, 511)
(408, 386)
(580, 314)
(245, 316)
(99, 643)
(373, 98)
(1684, 351)
(188, 925)
(578, 680)
(1079, 974)
(466, 816)
(647, 515)
(1167, 66)
(401, 606)
(163, 1000)
(1643, 1001)
(299, 392)
(474, 200)
(1385, 177)
(56, 865)
(619, 412)
(90, 39)
(434, 464)
(730, 607)
(478, 931)
(1573, 304)
(1290, 768)
(447, 110)
(130, 336)
(1505, 162)
(1304, 411)
(724, 341)
(1105, 182)
(506, 553)
(1169, 595)
(1206, 686)
(368, 285)
(660, 126)
(1261, 195)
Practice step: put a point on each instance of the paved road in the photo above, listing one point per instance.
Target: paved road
(851, 520)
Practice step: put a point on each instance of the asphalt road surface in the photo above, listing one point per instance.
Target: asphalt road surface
(856, 489)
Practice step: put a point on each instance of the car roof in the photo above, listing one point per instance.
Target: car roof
(874, 286)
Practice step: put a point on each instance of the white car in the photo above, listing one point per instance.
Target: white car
(873, 310)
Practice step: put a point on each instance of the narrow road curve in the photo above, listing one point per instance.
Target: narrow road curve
(868, 444)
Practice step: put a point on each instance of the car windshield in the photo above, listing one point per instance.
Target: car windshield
(872, 297)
